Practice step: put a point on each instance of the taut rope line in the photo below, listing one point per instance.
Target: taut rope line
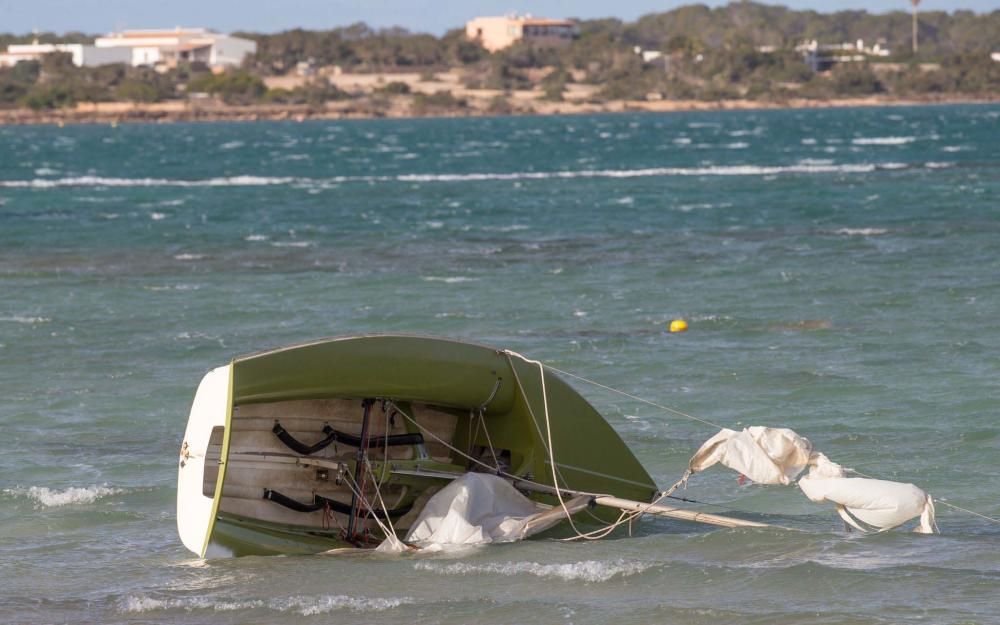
(715, 425)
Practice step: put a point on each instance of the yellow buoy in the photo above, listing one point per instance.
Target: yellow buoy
(678, 325)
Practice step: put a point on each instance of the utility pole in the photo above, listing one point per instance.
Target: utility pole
(914, 3)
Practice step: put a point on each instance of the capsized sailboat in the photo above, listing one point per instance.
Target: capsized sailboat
(343, 442)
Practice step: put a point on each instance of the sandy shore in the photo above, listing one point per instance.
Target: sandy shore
(406, 107)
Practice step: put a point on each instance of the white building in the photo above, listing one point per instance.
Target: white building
(83, 55)
(169, 47)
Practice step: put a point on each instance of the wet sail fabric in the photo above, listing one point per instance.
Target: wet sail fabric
(777, 455)
(765, 455)
(880, 504)
(479, 508)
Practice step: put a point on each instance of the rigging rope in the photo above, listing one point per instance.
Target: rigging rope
(715, 425)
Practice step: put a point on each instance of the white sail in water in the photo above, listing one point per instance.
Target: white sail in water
(877, 503)
(765, 455)
(478, 509)
(778, 455)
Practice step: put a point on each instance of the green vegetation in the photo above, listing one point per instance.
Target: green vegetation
(742, 50)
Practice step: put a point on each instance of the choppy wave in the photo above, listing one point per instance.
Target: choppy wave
(27, 320)
(587, 571)
(449, 279)
(882, 140)
(103, 181)
(255, 181)
(303, 605)
(861, 232)
(51, 498)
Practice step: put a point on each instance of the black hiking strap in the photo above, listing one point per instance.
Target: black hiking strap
(336, 436)
(320, 502)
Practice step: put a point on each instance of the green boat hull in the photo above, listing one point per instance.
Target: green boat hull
(463, 400)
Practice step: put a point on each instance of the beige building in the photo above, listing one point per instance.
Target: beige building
(496, 33)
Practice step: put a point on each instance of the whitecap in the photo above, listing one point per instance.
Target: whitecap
(138, 604)
(861, 232)
(231, 145)
(305, 606)
(586, 571)
(189, 256)
(682, 140)
(256, 237)
(157, 216)
(26, 320)
(882, 140)
(248, 180)
(510, 228)
(51, 498)
(449, 279)
(311, 606)
(103, 181)
(292, 244)
(737, 145)
(938, 165)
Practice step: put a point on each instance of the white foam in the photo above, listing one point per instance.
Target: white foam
(189, 256)
(231, 145)
(157, 216)
(712, 170)
(861, 232)
(305, 606)
(311, 606)
(737, 145)
(256, 237)
(510, 228)
(938, 165)
(882, 140)
(133, 604)
(27, 320)
(587, 571)
(102, 181)
(292, 244)
(252, 181)
(50, 498)
(449, 279)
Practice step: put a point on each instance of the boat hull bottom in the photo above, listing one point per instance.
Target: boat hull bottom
(239, 536)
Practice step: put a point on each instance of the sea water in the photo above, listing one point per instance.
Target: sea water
(839, 270)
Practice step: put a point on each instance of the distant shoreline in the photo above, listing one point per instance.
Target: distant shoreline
(178, 111)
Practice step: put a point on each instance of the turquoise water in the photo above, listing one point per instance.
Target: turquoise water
(840, 271)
